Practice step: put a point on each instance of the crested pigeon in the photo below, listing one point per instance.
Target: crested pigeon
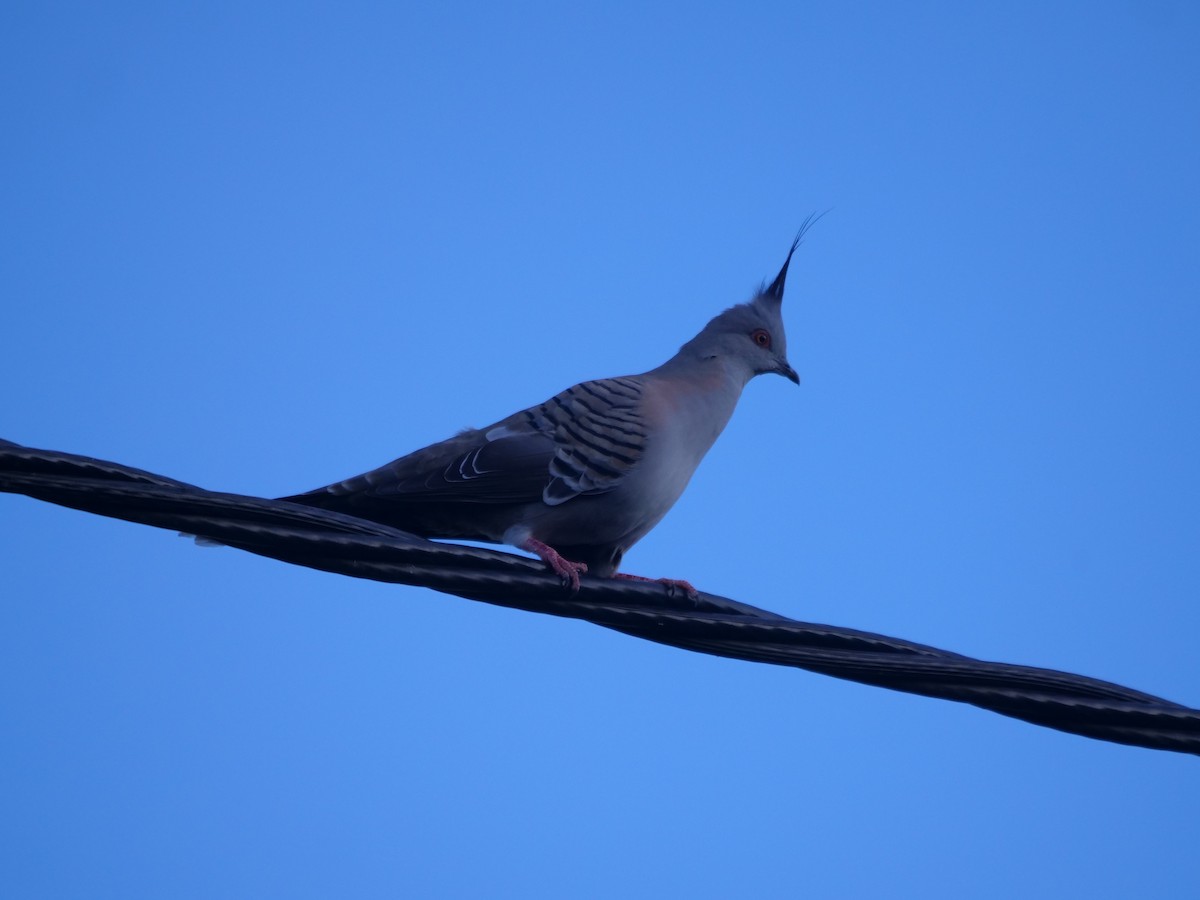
(579, 479)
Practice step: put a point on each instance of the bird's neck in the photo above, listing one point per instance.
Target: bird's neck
(697, 397)
(705, 367)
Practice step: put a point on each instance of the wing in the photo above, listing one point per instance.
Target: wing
(471, 467)
(599, 436)
(582, 441)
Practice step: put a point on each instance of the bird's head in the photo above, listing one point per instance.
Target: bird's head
(750, 336)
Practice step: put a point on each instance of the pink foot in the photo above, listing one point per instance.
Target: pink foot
(685, 586)
(568, 571)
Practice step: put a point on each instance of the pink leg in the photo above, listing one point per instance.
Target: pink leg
(684, 586)
(568, 571)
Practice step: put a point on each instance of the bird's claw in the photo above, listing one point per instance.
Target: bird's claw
(672, 584)
(568, 570)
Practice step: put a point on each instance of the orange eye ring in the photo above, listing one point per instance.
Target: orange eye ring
(761, 338)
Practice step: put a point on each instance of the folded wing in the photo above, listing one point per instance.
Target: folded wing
(582, 441)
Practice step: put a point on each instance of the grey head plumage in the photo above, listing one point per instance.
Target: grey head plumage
(750, 337)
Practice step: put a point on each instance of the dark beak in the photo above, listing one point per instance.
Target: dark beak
(784, 369)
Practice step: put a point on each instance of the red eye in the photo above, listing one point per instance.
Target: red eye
(761, 338)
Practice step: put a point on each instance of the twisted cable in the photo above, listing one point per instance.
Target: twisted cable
(334, 542)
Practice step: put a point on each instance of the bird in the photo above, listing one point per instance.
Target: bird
(581, 478)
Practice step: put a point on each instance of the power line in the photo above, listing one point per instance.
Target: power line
(345, 545)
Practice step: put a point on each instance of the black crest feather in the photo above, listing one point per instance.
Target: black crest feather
(775, 290)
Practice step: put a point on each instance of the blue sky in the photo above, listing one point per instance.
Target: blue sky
(263, 248)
